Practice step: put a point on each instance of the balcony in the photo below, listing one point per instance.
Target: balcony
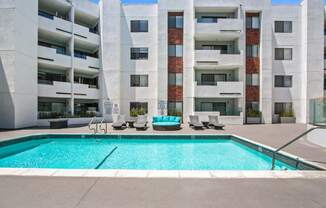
(87, 64)
(50, 57)
(214, 59)
(62, 29)
(83, 35)
(220, 90)
(51, 24)
(222, 28)
(63, 90)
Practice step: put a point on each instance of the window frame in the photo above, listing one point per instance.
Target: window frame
(250, 22)
(138, 82)
(282, 82)
(252, 51)
(136, 26)
(138, 55)
(282, 57)
(175, 22)
(175, 79)
(174, 50)
(283, 28)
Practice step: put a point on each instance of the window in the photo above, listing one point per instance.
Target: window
(283, 53)
(283, 81)
(139, 53)
(139, 105)
(252, 106)
(139, 25)
(252, 79)
(175, 50)
(175, 22)
(211, 79)
(91, 82)
(252, 50)
(175, 108)
(175, 79)
(207, 19)
(49, 78)
(252, 22)
(280, 108)
(139, 80)
(213, 107)
(283, 26)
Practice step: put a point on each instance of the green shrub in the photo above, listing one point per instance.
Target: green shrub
(289, 113)
(253, 113)
(134, 112)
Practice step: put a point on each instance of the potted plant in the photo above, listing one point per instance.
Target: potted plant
(288, 117)
(253, 117)
(134, 112)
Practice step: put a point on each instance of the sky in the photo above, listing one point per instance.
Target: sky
(153, 1)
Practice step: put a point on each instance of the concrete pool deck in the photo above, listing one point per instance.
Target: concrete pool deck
(219, 189)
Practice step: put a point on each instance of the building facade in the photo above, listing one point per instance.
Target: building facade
(183, 57)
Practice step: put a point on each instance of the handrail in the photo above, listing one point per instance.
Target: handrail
(293, 140)
(90, 125)
(105, 130)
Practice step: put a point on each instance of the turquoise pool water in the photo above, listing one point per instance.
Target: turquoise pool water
(144, 154)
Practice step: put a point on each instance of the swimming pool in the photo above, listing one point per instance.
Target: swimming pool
(139, 152)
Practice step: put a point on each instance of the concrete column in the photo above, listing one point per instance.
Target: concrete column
(72, 46)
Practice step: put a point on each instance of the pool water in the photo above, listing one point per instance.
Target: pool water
(142, 154)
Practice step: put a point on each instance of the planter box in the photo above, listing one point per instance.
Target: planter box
(58, 123)
(253, 120)
(288, 120)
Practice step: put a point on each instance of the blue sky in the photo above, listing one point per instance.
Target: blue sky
(151, 1)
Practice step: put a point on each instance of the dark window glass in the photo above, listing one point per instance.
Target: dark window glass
(91, 82)
(280, 108)
(252, 22)
(139, 25)
(252, 79)
(283, 26)
(175, 50)
(252, 51)
(207, 19)
(175, 79)
(283, 81)
(175, 22)
(175, 108)
(49, 78)
(45, 14)
(139, 80)
(212, 79)
(139, 53)
(283, 53)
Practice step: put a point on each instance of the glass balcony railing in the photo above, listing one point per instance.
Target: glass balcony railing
(318, 111)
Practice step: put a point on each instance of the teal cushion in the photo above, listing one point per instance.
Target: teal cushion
(166, 124)
(157, 119)
(177, 119)
(166, 118)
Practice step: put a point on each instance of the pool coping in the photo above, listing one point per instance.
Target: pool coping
(176, 174)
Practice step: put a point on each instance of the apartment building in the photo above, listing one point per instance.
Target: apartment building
(50, 61)
(183, 57)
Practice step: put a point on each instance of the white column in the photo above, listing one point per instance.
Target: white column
(72, 46)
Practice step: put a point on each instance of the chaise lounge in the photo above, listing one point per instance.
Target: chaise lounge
(195, 123)
(166, 123)
(214, 121)
(141, 123)
(120, 122)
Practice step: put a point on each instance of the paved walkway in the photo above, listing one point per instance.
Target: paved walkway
(56, 192)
